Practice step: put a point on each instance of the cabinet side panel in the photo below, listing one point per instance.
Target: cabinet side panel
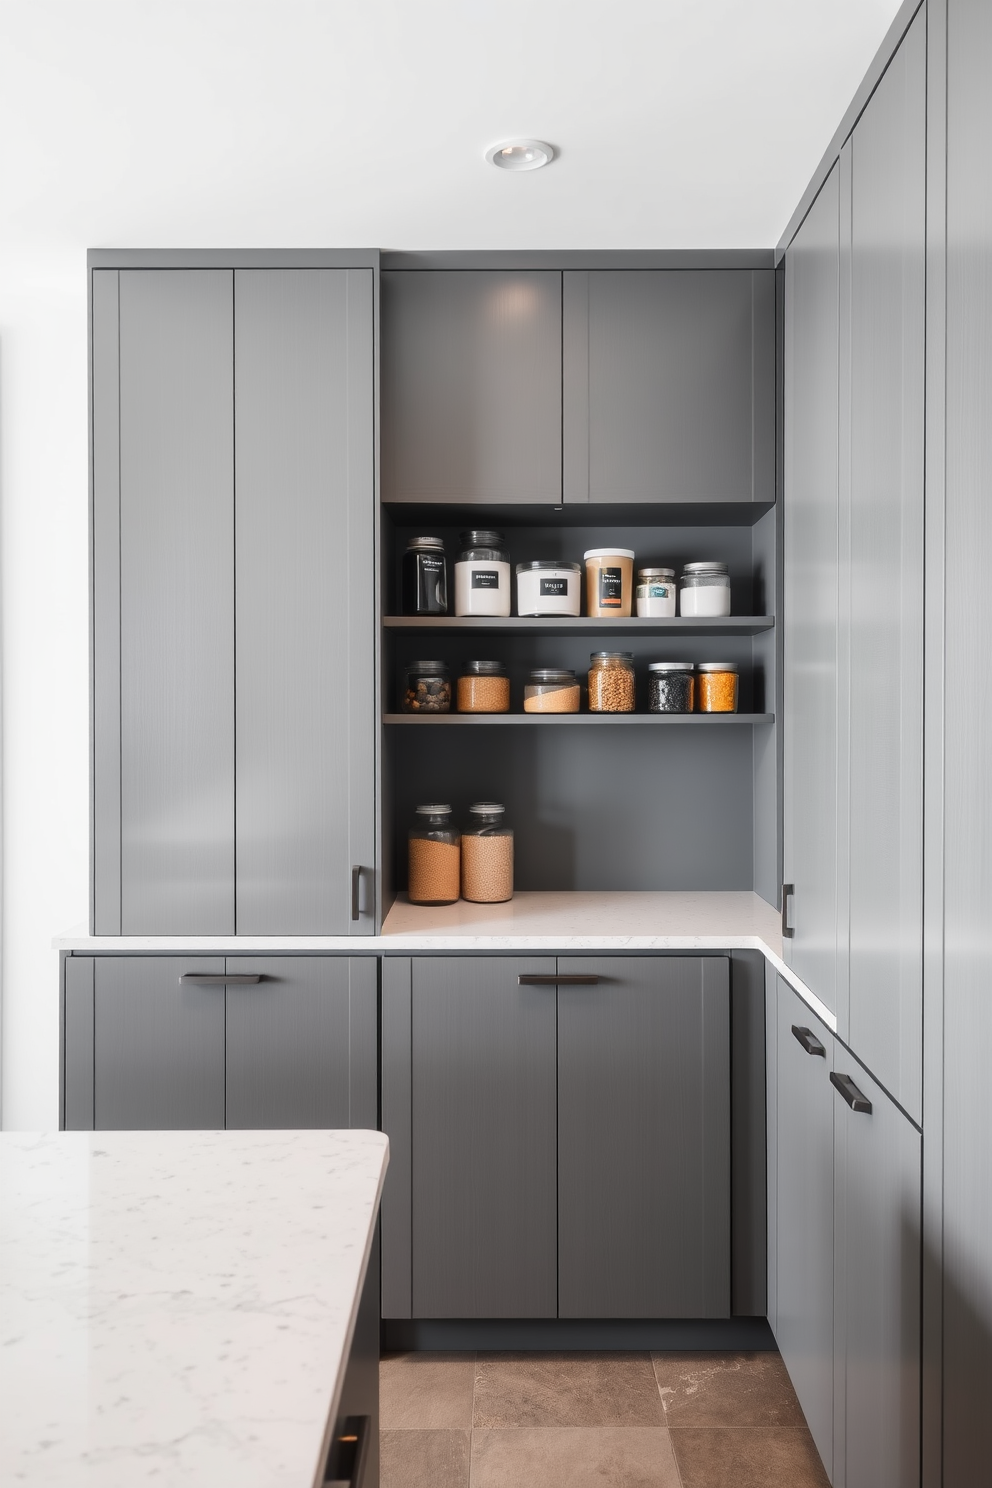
(763, 389)
(748, 1183)
(397, 1242)
(78, 1043)
(363, 1040)
(106, 603)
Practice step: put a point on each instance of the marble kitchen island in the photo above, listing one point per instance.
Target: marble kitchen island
(180, 1307)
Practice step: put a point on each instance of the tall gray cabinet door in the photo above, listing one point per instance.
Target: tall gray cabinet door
(804, 1215)
(879, 1215)
(158, 1044)
(305, 606)
(811, 805)
(888, 228)
(483, 1118)
(669, 385)
(471, 386)
(967, 963)
(644, 1137)
(301, 1043)
(176, 602)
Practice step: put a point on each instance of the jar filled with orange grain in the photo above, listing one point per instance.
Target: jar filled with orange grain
(487, 855)
(435, 857)
(483, 687)
(716, 686)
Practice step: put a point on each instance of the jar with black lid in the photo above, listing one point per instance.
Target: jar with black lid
(671, 686)
(483, 687)
(482, 575)
(425, 577)
(428, 688)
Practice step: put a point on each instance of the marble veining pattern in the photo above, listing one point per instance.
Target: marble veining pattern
(177, 1307)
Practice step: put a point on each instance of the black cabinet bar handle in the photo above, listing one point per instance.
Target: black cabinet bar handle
(854, 1097)
(219, 979)
(356, 892)
(347, 1456)
(788, 893)
(809, 1040)
(527, 980)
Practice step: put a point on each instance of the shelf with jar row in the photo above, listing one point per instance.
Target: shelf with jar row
(738, 625)
(705, 720)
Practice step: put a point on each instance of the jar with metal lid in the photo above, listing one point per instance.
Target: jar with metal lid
(483, 687)
(551, 690)
(549, 587)
(487, 855)
(609, 582)
(670, 686)
(425, 577)
(428, 688)
(716, 686)
(482, 575)
(704, 590)
(655, 592)
(611, 682)
(435, 858)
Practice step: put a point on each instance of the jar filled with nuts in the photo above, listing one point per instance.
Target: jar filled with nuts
(435, 862)
(428, 688)
(611, 682)
(487, 856)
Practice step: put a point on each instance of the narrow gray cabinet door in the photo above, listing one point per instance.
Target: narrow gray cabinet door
(77, 1043)
(879, 1277)
(811, 804)
(471, 386)
(158, 1044)
(644, 1137)
(804, 1217)
(301, 1042)
(305, 516)
(176, 602)
(483, 1118)
(669, 385)
(888, 243)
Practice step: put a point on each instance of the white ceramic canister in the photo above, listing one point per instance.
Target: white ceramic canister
(655, 592)
(705, 590)
(482, 575)
(549, 587)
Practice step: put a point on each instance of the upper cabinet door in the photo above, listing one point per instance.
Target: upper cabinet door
(887, 248)
(471, 386)
(305, 605)
(669, 385)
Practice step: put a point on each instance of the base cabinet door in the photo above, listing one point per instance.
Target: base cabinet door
(644, 1137)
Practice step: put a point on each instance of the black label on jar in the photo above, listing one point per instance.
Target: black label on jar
(485, 578)
(610, 588)
(432, 597)
(553, 588)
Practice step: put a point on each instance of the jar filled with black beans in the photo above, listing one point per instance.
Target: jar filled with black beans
(671, 685)
(428, 688)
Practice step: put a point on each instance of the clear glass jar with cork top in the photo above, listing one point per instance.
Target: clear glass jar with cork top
(487, 855)
(435, 857)
(611, 682)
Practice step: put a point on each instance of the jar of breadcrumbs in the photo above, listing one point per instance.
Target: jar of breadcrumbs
(487, 855)
(716, 687)
(435, 857)
(611, 682)
(483, 687)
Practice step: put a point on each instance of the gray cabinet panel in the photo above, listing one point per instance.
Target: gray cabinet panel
(305, 606)
(177, 602)
(483, 1115)
(158, 1045)
(888, 243)
(811, 803)
(660, 371)
(644, 1138)
(397, 1072)
(471, 386)
(298, 1039)
(77, 1044)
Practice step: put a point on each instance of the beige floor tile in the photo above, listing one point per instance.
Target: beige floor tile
(424, 1459)
(724, 1389)
(750, 1458)
(423, 1391)
(596, 1389)
(574, 1457)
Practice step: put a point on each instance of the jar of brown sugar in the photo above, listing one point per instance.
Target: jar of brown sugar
(611, 682)
(716, 687)
(483, 687)
(435, 857)
(487, 855)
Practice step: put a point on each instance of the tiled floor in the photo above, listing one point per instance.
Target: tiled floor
(669, 1420)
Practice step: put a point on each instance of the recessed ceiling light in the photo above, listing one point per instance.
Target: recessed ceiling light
(520, 154)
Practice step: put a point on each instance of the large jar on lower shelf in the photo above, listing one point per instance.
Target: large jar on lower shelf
(487, 855)
(435, 860)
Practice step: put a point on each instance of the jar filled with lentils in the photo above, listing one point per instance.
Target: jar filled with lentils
(483, 687)
(428, 688)
(435, 857)
(611, 682)
(671, 686)
(716, 689)
(487, 855)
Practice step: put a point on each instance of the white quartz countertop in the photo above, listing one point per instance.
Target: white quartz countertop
(177, 1308)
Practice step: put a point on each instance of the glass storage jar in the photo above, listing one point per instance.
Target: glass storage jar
(611, 682)
(716, 687)
(609, 582)
(670, 686)
(482, 575)
(435, 857)
(549, 587)
(551, 690)
(704, 590)
(425, 577)
(487, 856)
(428, 688)
(655, 593)
(483, 687)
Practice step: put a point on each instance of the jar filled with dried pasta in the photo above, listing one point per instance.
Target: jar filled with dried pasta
(483, 687)
(611, 682)
(487, 855)
(551, 690)
(435, 857)
(716, 686)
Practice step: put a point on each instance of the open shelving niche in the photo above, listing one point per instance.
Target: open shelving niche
(597, 801)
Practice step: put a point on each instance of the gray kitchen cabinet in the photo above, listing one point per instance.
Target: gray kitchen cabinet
(669, 385)
(471, 386)
(644, 1137)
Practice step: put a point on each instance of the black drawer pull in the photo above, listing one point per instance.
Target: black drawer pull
(219, 979)
(356, 893)
(349, 1449)
(809, 1040)
(529, 980)
(854, 1097)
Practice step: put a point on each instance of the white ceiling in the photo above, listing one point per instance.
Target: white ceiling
(681, 123)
